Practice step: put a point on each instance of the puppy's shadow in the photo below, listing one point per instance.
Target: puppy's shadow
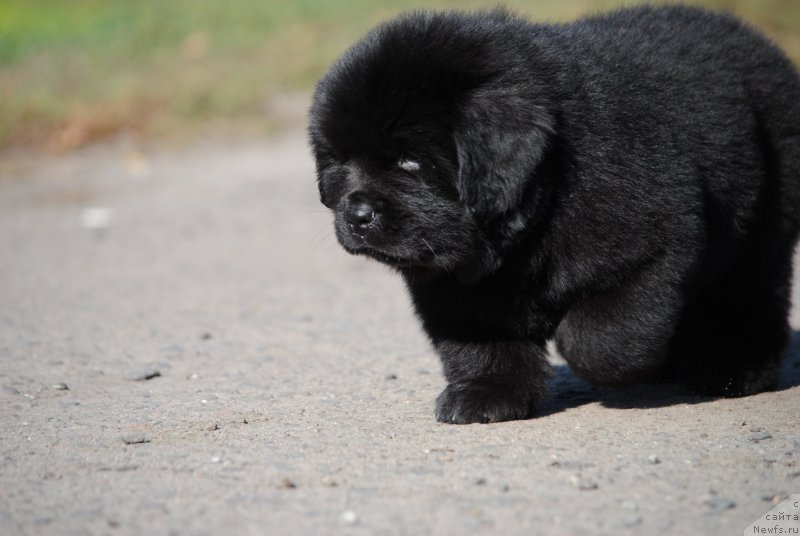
(569, 391)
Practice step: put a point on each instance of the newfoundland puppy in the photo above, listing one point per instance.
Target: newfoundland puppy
(627, 184)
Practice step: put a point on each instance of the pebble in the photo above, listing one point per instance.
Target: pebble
(134, 439)
(480, 482)
(570, 464)
(391, 376)
(145, 375)
(773, 498)
(760, 436)
(213, 427)
(119, 468)
(654, 459)
(286, 483)
(349, 517)
(583, 483)
(205, 336)
(61, 386)
(633, 520)
(96, 217)
(719, 504)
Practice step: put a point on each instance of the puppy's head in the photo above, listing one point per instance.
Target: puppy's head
(427, 135)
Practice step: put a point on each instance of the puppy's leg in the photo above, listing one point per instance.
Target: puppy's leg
(491, 381)
(621, 335)
(735, 330)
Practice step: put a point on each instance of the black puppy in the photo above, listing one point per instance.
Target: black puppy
(627, 184)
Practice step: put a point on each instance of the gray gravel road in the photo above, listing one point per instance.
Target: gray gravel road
(295, 391)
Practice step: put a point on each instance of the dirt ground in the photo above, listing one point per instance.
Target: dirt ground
(290, 389)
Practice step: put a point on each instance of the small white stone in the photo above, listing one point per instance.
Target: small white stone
(96, 217)
(349, 517)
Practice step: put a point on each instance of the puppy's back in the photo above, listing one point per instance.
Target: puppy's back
(705, 82)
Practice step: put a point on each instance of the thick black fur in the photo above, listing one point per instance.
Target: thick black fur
(628, 184)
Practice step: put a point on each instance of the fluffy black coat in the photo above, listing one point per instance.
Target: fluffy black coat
(628, 184)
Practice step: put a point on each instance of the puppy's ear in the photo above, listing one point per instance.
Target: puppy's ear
(500, 140)
(327, 176)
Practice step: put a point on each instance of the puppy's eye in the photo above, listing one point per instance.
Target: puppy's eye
(408, 165)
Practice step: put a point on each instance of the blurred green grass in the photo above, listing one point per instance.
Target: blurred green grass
(78, 71)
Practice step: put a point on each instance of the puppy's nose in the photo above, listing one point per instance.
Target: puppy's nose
(360, 214)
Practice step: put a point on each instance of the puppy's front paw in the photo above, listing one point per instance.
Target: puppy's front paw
(484, 400)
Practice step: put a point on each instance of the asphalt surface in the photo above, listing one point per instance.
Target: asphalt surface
(290, 389)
